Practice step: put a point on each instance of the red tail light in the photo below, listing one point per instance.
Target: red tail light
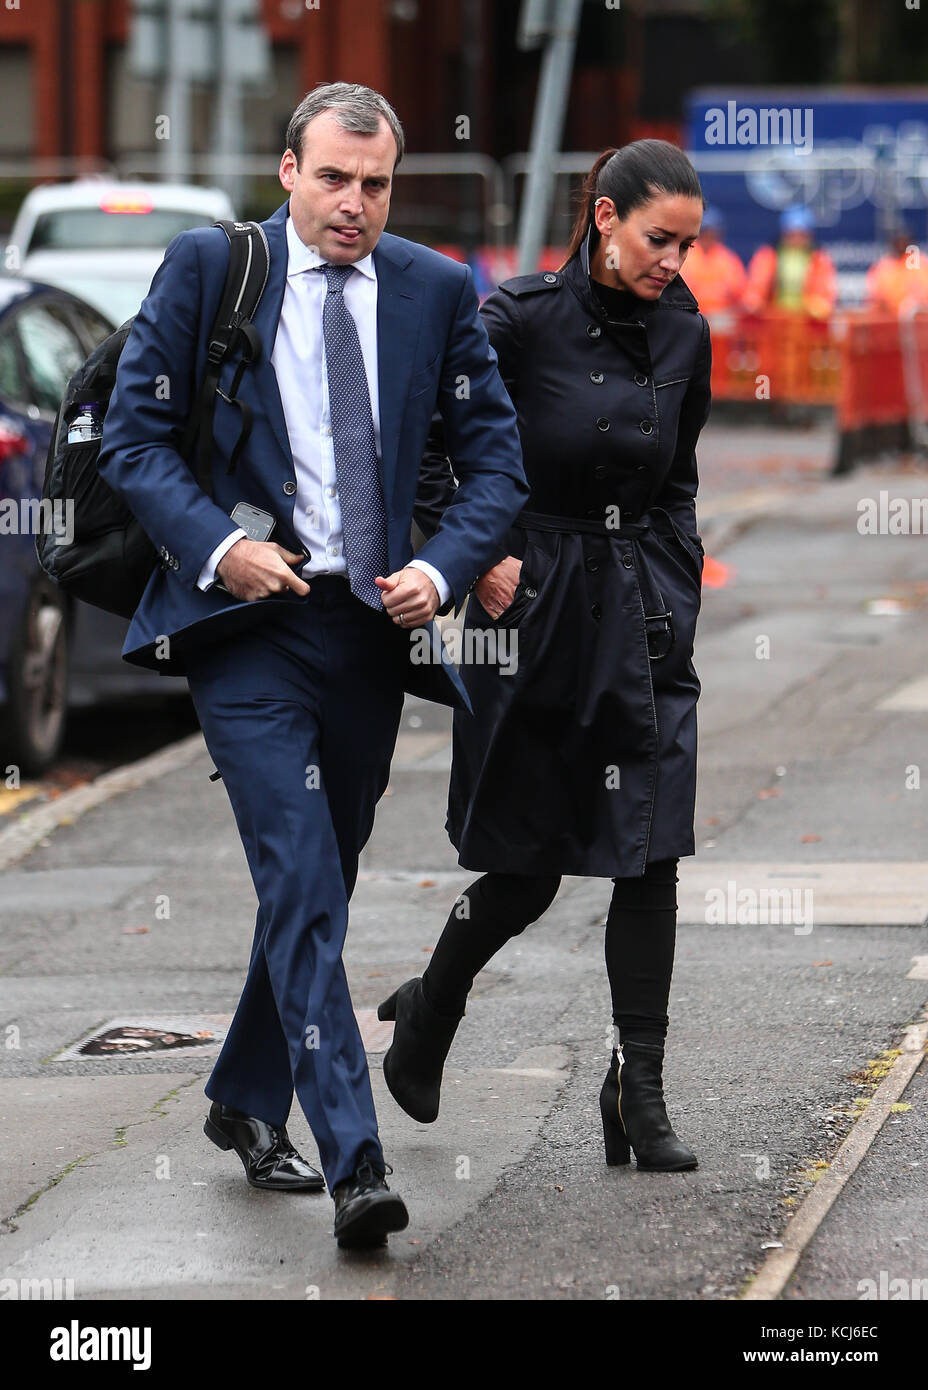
(11, 442)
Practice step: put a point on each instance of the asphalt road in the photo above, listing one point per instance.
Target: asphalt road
(108, 1181)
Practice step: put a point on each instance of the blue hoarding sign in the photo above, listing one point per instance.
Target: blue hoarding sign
(857, 157)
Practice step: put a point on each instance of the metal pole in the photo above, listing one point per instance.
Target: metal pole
(229, 136)
(547, 130)
(176, 96)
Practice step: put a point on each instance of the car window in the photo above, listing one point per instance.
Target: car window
(117, 226)
(13, 389)
(52, 351)
(91, 326)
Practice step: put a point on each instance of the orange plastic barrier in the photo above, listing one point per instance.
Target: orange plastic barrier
(873, 384)
(788, 358)
(883, 401)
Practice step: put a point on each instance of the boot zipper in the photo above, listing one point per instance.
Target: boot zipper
(621, 1056)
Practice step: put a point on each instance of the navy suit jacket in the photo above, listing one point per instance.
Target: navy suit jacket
(433, 353)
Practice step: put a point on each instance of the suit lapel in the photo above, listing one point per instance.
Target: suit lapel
(399, 310)
(266, 319)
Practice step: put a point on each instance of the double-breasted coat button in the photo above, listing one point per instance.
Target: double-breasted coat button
(646, 427)
(596, 611)
(289, 488)
(641, 379)
(597, 377)
(628, 562)
(600, 471)
(603, 424)
(531, 593)
(594, 330)
(550, 279)
(592, 564)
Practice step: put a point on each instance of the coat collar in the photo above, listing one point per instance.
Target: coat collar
(631, 333)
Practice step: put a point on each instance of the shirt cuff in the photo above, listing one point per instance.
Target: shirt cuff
(207, 576)
(437, 578)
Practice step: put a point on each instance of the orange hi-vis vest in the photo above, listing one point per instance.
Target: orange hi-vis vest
(819, 291)
(716, 276)
(893, 280)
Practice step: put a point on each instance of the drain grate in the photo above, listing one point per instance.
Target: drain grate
(139, 1037)
(154, 1036)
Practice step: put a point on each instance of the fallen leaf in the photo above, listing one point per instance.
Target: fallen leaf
(558, 1188)
(134, 931)
(900, 1107)
(810, 839)
(769, 791)
(427, 883)
(823, 962)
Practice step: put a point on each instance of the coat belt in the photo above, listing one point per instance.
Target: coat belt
(658, 618)
(544, 521)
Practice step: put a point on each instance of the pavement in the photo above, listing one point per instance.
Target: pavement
(794, 1019)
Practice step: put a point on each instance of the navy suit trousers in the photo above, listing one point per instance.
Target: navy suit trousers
(300, 714)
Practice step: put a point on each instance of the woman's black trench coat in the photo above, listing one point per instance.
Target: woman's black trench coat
(583, 759)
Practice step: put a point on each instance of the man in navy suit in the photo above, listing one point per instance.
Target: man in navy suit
(298, 663)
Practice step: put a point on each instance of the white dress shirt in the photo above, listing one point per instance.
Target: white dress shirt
(299, 362)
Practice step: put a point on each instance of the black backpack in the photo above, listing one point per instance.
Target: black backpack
(108, 558)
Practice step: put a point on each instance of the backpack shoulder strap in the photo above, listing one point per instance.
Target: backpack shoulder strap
(246, 277)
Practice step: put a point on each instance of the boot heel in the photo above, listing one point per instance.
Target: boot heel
(387, 1010)
(217, 1136)
(618, 1150)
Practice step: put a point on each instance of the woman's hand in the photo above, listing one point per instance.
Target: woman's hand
(496, 589)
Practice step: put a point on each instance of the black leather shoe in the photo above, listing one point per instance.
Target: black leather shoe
(269, 1158)
(366, 1210)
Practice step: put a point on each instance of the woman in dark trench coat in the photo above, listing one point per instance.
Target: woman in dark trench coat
(582, 759)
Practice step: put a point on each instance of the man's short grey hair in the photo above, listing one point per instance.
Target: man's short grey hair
(356, 108)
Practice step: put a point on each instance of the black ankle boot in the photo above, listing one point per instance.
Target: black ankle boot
(413, 1064)
(634, 1114)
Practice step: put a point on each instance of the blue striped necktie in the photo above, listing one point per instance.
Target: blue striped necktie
(364, 517)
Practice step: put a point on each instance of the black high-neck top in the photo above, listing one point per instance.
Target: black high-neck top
(618, 304)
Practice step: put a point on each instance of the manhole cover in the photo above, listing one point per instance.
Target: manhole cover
(135, 1037)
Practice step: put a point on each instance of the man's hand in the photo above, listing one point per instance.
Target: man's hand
(258, 569)
(496, 589)
(409, 596)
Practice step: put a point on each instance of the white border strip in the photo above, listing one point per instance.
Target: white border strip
(20, 838)
(779, 1266)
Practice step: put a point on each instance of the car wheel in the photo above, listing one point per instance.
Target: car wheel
(37, 682)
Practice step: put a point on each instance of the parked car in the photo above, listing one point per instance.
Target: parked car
(53, 652)
(103, 240)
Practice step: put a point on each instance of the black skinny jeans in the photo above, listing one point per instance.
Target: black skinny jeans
(640, 939)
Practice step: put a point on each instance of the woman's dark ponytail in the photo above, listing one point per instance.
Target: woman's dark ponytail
(631, 176)
(588, 198)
